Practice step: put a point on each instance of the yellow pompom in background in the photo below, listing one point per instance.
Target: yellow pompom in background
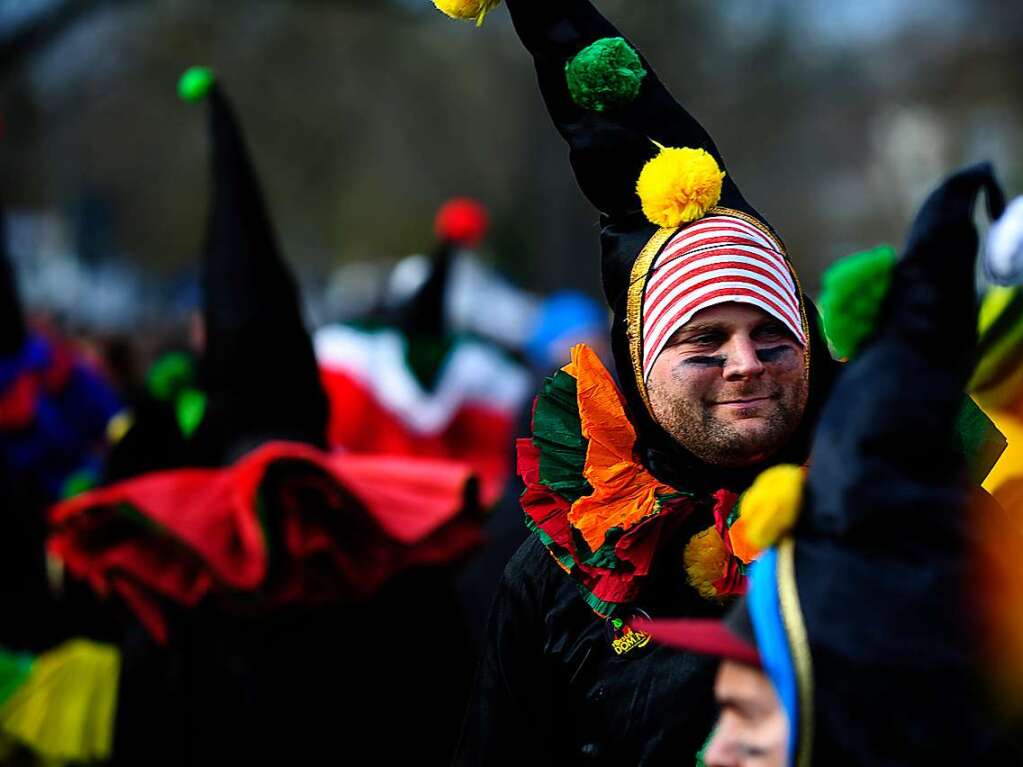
(770, 507)
(467, 9)
(679, 185)
(705, 561)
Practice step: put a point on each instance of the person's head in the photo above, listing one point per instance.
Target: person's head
(755, 687)
(730, 385)
(752, 727)
(724, 343)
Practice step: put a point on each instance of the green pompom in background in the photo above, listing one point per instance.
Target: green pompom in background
(854, 289)
(605, 75)
(195, 83)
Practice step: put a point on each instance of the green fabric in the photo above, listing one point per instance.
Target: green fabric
(190, 409)
(195, 84)
(78, 483)
(599, 606)
(557, 434)
(701, 755)
(14, 670)
(853, 291)
(605, 556)
(564, 557)
(605, 75)
(426, 357)
(734, 514)
(979, 440)
(169, 375)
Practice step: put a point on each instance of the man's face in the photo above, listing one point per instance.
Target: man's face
(752, 728)
(731, 385)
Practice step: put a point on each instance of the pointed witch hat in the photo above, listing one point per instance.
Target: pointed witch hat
(258, 368)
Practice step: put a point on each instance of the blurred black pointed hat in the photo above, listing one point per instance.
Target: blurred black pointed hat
(12, 319)
(461, 223)
(258, 367)
(878, 571)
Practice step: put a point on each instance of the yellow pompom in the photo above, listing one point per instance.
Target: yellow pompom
(679, 185)
(705, 560)
(467, 9)
(771, 506)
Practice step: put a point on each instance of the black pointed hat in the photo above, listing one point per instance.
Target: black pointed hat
(873, 587)
(880, 566)
(652, 171)
(12, 319)
(258, 367)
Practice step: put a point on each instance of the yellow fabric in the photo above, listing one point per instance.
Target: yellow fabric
(996, 383)
(999, 579)
(770, 507)
(705, 561)
(679, 185)
(467, 9)
(1010, 465)
(65, 710)
(994, 303)
(118, 426)
(624, 492)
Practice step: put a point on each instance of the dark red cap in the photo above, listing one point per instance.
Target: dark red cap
(729, 639)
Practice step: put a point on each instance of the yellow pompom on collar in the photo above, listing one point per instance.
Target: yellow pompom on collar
(467, 9)
(679, 186)
(768, 510)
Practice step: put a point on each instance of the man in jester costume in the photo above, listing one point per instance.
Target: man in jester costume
(263, 574)
(862, 637)
(633, 488)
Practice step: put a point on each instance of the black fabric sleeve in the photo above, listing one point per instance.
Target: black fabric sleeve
(511, 714)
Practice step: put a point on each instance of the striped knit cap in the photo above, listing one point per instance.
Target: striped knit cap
(716, 260)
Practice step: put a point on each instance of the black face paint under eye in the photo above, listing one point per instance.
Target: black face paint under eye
(706, 362)
(773, 354)
(752, 752)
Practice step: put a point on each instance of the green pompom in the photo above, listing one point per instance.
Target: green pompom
(169, 375)
(78, 483)
(190, 408)
(195, 83)
(854, 289)
(605, 75)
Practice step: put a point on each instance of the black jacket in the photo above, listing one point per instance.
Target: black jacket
(551, 690)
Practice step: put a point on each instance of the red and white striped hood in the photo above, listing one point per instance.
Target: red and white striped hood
(716, 260)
